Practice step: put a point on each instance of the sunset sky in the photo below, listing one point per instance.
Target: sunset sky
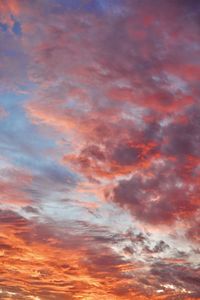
(99, 149)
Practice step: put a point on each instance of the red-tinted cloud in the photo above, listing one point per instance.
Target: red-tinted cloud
(38, 260)
(116, 92)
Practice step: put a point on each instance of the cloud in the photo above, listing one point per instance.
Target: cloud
(88, 105)
(34, 247)
(158, 195)
(29, 248)
(13, 184)
(3, 113)
(111, 123)
(178, 278)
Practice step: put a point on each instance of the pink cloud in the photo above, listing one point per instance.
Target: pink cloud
(92, 97)
(118, 96)
(3, 113)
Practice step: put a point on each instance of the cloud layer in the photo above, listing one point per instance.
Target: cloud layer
(100, 165)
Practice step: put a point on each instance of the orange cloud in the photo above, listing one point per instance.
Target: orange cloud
(116, 94)
(38, 261)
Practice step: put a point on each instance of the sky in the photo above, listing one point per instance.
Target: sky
(99, 149)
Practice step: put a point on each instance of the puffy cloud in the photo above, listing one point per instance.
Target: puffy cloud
(158, 195)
